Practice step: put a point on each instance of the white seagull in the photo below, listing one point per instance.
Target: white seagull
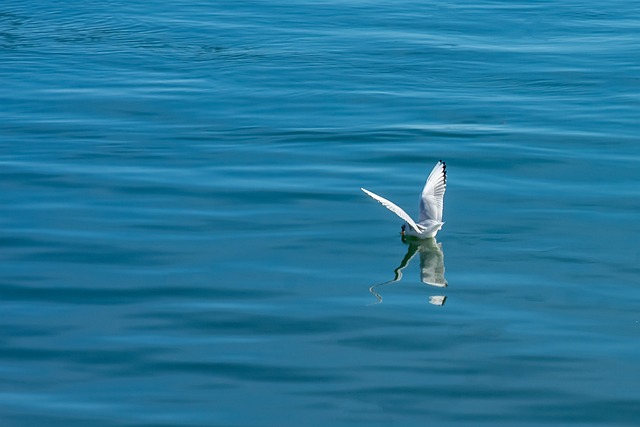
(431, 204)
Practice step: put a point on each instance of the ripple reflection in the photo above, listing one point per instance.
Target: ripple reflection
(431, 267)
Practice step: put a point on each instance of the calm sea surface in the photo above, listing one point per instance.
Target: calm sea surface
(183, 240)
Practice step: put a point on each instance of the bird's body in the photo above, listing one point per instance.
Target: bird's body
(428, 228)
(431, 205)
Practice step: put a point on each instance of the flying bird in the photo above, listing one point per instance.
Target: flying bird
(431, 204)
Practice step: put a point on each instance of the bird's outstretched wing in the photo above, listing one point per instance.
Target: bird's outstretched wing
(393, 208)
(432, 197)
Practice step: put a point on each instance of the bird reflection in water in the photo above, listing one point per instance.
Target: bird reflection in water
(431, 267)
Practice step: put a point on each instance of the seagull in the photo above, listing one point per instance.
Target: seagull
(431, 204)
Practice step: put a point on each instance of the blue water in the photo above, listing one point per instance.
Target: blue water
(184, 242)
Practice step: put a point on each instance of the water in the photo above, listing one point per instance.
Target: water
(184, 242)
